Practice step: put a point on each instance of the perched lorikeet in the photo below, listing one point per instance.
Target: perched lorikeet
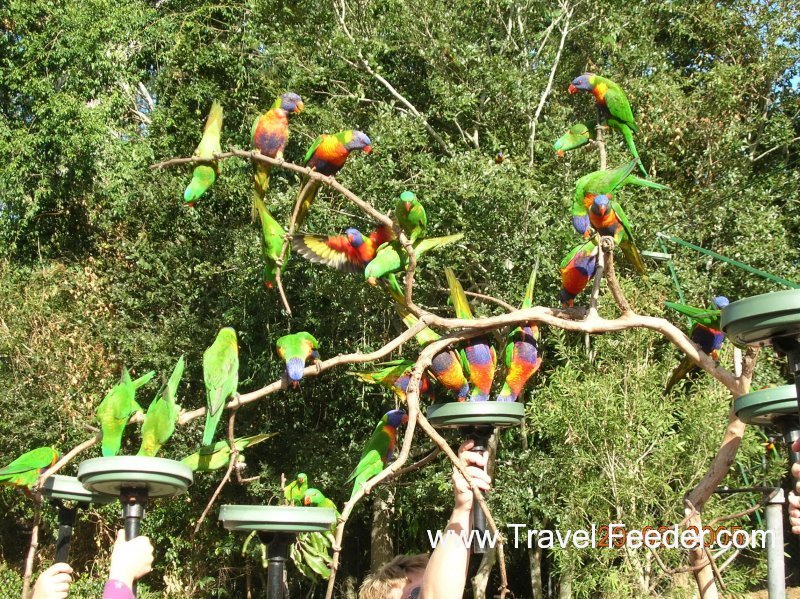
(706, 334)
(522, 351)
(577, 269)
(410, 215)
(116, 409)
(271, 242)
(602, 182)
(204, 175)
(613, 106)
(296, 349)
(327, 156)
(350, 252)
(607, 218)
(213, 457)
(296, 490)
(576, 136)
(378, 450)
(480, 358)
(25, 470)
(395, 376)
(221, 376)
(391, 258)
(270, 133)
(159, 422)
(314, 498)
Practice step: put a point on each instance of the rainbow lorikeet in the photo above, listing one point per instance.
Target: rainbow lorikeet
(221, 377)
(706, 334)
(410, 215)
(577, 269)
(605, 183)
(607, 218)
(270, 133)
(116, 409)
(271, 242)
(350, 252)
(24, 471)
(327, 156)
(391, 258)
(214, 457)
(314, 498)
(296, 490)
(395, 376)
(613, 106)
(204, 175)
(479, 357)
(296, 350)
(379, 449)
(576, 136)
(522, 351)
(159, 422)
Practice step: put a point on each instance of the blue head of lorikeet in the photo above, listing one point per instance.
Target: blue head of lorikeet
(291, 102)
(600, 205)
(355, 237)
(395, 418)
(720, 302)
(581, 83)
(360, 141)
(294, 369)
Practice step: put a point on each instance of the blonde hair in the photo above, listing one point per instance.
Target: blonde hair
(392, 575)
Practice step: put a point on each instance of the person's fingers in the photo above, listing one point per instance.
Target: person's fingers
(466, 446)
(62, 578)
(793, 499)
(479, 478)
(473, 458)
(60, 568)
(120, 537)
(796, 445)
(796, 470)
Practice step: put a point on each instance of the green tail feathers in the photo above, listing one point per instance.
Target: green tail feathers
(457, 295)
(628, 136)
(261, 182)
(306, 197)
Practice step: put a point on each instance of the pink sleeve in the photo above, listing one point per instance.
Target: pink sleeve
(115, 589)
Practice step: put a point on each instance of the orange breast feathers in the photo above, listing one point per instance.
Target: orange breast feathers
(332, 150)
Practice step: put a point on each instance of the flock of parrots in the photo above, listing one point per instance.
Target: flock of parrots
(467, 372)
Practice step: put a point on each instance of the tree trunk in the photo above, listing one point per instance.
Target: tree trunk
(382, 546)
(535, 559)
(565, 586)
(481, 579)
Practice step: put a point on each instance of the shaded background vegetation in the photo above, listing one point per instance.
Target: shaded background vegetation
(102, 266)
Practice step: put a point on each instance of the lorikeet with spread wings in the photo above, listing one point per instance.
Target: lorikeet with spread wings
(116, 409)
(395, 376)
(270, 133)
(576, 136)
(214, 457)
(350, 252)
(378, 450)
(24, 471)
(411, 216)
(221, 377)
(480, 358)
(577, 269)
(391, 258)
(296, 349)
(706, 333)
(613, 106)
(159, 422)
(327, 156)
(607, 218)
(605, 183)
(522, 350)
(296, 490)
(205, 174)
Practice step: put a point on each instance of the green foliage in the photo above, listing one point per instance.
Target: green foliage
(102, 267)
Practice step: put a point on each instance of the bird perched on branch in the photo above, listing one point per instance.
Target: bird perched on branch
(327, 156)
(613, 106)
(607, 218)
(350, 252)
(24, 471)
(706, 333)
(391, 258)
(213, 457)
(379, 449)
(296, 490)
(411, 216)
(295, 350)
(272, 234)
(159, 422)
(117, 408)
(395, 376)
(577, 269)
(576, 136)
(205, 174)
(221, 377)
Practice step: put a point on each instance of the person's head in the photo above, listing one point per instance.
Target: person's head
(396, 579)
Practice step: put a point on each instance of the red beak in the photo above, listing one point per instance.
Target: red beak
(560, 153)
(408, 206)
(572, 89)
(404, 420)
(306, 500)
(299, 107)
(367, 149)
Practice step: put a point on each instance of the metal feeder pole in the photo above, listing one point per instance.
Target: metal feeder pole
(776, 569)
(133, 501)
(277, 553)
(66, 521)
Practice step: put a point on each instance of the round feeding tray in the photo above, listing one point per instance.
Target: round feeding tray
(500, 414)
(766, 406)
(69, 488)
(759, 319)
(159, 476)
(276, 518)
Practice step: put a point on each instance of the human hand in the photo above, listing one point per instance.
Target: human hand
(53, 583)
(475, 464)
(130, 560)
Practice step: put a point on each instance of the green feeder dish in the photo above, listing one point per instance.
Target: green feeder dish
(767, 407)
(69, 488)
(496, 414)
(159, 477)
(276, 518)
(760, 319)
